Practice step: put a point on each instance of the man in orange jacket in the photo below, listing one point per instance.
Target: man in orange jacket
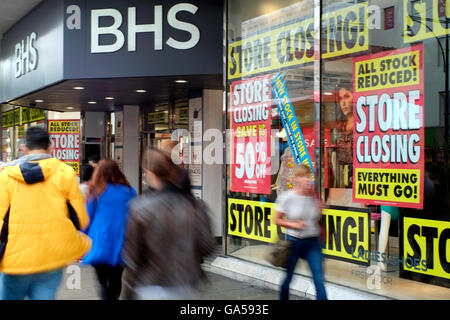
(41, 212)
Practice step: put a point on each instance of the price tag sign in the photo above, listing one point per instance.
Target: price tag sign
(250, 137)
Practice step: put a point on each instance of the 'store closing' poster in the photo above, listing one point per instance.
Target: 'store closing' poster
(250, 135)
(388, 153)
(65, 139)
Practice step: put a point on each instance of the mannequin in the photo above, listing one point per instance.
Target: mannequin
(284, 178)
(387, 214)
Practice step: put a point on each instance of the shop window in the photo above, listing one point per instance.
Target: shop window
(383, 161)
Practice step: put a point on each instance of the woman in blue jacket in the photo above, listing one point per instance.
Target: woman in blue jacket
(107, 202)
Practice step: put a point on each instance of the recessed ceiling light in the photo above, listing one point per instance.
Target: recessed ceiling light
(78, 88)
(70, 108)
(92, 102)
(39, 101)
(141, 91)
(109, 98)
(180, 81)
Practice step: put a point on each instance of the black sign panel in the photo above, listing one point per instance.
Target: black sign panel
(32, 51)
(123, 38)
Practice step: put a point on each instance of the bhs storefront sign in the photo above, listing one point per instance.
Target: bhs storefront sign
(73, 22)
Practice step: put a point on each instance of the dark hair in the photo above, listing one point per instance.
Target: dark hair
(94, 158)
(158, 162)
(107, 171)
(37, 138)
(86, 172)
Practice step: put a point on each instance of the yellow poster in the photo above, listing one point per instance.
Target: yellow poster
(63, 126)
(387, 72)
(347, 235)
(8, 119)
(252, 220)
(425, 19)
(399, 185)
(345, 31)
(74, 165)
(426, 247)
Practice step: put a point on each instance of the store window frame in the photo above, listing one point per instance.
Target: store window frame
(319, 109)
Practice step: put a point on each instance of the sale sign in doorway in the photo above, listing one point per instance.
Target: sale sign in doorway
(250, 135)
(65, 136)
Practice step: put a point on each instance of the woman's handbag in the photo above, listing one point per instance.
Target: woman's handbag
(279, 255)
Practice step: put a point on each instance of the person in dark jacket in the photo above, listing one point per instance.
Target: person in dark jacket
(108, 195)
(168, 233)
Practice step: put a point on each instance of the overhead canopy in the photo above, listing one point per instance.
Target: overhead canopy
(63, 97)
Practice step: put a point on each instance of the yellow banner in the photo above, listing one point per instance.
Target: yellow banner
(398, 185)
(17, 120)
(347, 234)
(75, 166)
(345, 31)
(20, 132)
(157, 117)
(388, 72)
(63, 126)
(426, 247)
(36, 114)
(8, 119)
(252, 220)
(425, 19)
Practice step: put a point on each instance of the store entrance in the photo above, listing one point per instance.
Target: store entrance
(160, 121)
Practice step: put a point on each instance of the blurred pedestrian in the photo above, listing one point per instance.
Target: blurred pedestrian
(41, 211)
(302, 214)
(168, 233)
(184, 181)
(108, 195)
(86, 174)
(93, 160)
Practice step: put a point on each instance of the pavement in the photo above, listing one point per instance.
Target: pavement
(80, 283)
(216, 288)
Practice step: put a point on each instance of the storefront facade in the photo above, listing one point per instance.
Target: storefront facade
(355, 89)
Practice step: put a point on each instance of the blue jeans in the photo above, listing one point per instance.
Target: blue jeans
(310, 250)
(36, 286)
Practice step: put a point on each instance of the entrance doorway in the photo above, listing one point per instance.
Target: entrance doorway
(159, 123)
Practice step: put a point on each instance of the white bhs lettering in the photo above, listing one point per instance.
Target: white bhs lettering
(26, 55)
(133, 28)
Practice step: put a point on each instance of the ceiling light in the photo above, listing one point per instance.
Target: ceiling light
(78, 88)
(39, 101)
(70, 108)
(328, 93)
(141, 91)
(92, 102)
(109, 98)
(180, 81)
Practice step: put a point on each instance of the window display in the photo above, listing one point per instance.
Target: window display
(15, 122)
(382, 158)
